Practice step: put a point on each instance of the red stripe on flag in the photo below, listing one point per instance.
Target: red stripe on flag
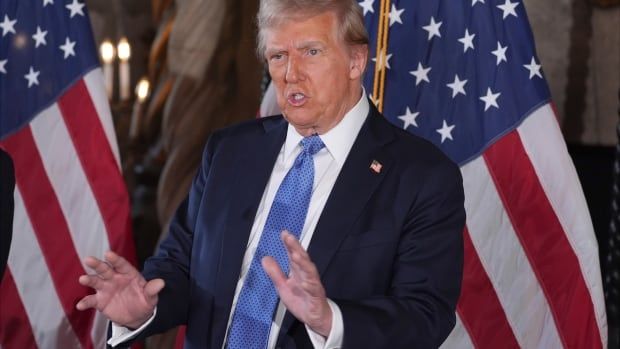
(543, 239)
(100, 167)
(51, 229)
(15, 329)
(479, 308)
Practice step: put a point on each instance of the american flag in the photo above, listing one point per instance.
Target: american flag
(70, 199)
(464, 74)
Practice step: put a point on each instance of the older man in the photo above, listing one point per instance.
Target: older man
(324, 227)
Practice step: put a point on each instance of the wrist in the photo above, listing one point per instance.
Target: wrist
(324, 325)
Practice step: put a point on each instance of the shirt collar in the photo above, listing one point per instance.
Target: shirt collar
(339, 140)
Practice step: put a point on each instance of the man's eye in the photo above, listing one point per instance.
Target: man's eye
(313, 52)
(277, 57)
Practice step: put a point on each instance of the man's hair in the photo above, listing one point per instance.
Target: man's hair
(348, 12)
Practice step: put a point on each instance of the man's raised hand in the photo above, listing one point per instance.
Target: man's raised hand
(121, 293)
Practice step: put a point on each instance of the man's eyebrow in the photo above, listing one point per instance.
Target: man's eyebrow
(306, 44)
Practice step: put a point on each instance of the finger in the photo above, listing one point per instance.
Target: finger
(152, 289)
(299, 260)
(87, 303)
(92, 281)
(273, 270)
(103, 269)
(120, 264)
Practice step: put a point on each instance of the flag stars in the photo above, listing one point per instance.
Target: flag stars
(421, 74)
(68, 48)
(490, 100)
(395, 15)
(445, 131)
(458, 86)
(533, 68)
(500, 53)
(48, 2)
(433, 29)
(7, 25)
(409, 118)
(32, 77)
(382, 61)
(3, 65)
(467, 40)
(474, 2)
(367, 6)
(508, 8)
(76, 8)
(39, 37)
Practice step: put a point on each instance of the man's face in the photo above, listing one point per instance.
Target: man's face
(316, 75)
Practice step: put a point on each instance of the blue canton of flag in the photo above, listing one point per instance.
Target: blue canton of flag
(455, 77)
(45, 46)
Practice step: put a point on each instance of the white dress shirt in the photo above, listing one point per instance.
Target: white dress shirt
(327, 162)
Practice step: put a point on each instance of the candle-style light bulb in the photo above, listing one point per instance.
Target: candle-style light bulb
(143, 89)
(106, 50)
(123, 50)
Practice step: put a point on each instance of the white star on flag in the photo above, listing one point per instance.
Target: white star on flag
(508, 8)
(458, 86)
(68, 48)
(39, 37)
(48, 2)
(3, 65)
(432, 28)
(474, 2)
(8, 25)
(421, 74)
(409, 118)
(445, 131)
(500, 53)
(534, 69)
(32, 77)
(381, 60)
(467, 40)
(490, 99)
(76, 8)
(367, 6)
(395, 15)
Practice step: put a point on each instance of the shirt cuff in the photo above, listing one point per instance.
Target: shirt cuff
(122, 334)
(336, 333)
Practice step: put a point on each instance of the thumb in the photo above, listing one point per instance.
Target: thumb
(152, 288)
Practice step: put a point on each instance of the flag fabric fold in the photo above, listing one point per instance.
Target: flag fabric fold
(70, 197)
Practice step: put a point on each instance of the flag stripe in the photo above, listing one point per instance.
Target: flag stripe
(479, 308)
(15, 330)
(96, 89)
(50, 229)
(542, 140)
(70, 184)
(505, 262)
(544, 242)
(100, 166)
(35, 286)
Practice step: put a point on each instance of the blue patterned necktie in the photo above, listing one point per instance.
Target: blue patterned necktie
(253, 314)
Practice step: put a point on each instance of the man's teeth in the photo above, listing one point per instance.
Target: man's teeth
(298, 96)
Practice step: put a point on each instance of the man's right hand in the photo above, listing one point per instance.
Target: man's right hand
(121, 293)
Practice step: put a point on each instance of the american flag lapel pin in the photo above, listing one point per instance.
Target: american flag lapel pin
(376, 166)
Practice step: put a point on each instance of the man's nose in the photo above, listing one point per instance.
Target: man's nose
(293, 71)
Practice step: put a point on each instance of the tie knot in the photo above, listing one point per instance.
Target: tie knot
(312, 144)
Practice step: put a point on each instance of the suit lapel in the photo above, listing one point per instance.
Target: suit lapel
(353, 188)
(249, 180)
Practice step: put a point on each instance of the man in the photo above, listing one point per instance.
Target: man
(380, 213)
(7, 185)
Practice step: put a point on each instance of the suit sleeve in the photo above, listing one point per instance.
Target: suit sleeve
(418, 310)
(172, 260)
(7, 185)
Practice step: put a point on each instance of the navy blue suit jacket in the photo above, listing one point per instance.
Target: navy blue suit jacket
(388, 245)
(7, 185)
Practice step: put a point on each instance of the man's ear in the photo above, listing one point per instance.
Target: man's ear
(359, 57)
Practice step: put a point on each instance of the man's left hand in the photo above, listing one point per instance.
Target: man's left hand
(302, 291)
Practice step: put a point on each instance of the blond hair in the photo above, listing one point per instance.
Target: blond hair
(350, 20)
